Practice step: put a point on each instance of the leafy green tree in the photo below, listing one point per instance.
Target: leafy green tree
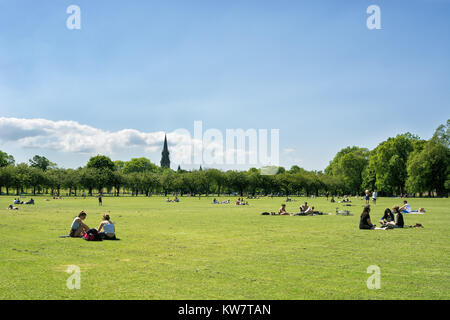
(21, 177)
(442, 134)
(118, 180)
(285, 181)
(237, 180)
(268, 184)
(42, 163)
(100, 162)
(139, 165)
(118, 165)
(37, 179)
(428, 168)
(348, 165)
(388, 162)
(88, 178)
(6, 159)
(218, 178)
(149, 181)
(7, 177)
(167, 181)
(190, 183)
(72, 180)
(254, 180)
(55, 180)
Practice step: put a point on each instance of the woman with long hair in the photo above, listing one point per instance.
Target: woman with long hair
(78, 228)
(364, 222)
(387, 217)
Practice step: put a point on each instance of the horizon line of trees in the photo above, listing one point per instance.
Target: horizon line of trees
(404, 164)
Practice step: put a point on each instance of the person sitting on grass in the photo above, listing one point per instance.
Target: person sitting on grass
(78, 228)
(387, 217)
(406, 208)
(364, 222)
(108, 226)
(282, 211)
(306, 209)
(398, 221)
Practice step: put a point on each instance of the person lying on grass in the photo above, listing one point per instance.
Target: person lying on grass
(282, 211)
(78, 228)
(11, 207)
(108, 226)
(406, 208)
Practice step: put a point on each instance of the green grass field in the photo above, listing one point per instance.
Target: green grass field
(197, 250)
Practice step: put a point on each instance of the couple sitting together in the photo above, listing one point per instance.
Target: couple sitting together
(174, 200)
(79, 228)
(304, 210)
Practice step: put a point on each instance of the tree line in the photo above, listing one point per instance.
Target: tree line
(399, 165)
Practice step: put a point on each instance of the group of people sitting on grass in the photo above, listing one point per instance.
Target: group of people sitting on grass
(241, 202)
(215, 201)
(305, 210)
(79, 228)
(17, 201)
(345, 199)
(390, 220)
(174, 199)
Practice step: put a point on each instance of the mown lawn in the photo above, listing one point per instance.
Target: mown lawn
(197, 250)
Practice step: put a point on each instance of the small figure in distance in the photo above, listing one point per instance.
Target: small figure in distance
(366, 197)
(374, 197)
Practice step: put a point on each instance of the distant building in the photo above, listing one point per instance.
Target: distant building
(165, 160)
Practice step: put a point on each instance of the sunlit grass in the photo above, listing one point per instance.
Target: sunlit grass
(197, 250)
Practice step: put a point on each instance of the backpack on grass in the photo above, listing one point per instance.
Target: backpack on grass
(92, 235)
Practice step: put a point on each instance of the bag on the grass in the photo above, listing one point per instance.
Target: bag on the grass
(92, 235)
(265, 213)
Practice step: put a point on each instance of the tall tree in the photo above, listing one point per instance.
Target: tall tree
(139, 165)
(348, 165)
(100, 162)
(428, 165)
(42, 163)
(6, 159)
(388, 161)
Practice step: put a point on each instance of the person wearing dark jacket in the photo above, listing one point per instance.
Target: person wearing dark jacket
(364, 222)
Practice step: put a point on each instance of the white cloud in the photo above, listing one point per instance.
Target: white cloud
(71, 136)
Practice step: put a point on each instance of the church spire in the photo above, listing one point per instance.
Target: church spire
(165, 161)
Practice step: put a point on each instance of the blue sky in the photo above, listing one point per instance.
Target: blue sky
(309, 68)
